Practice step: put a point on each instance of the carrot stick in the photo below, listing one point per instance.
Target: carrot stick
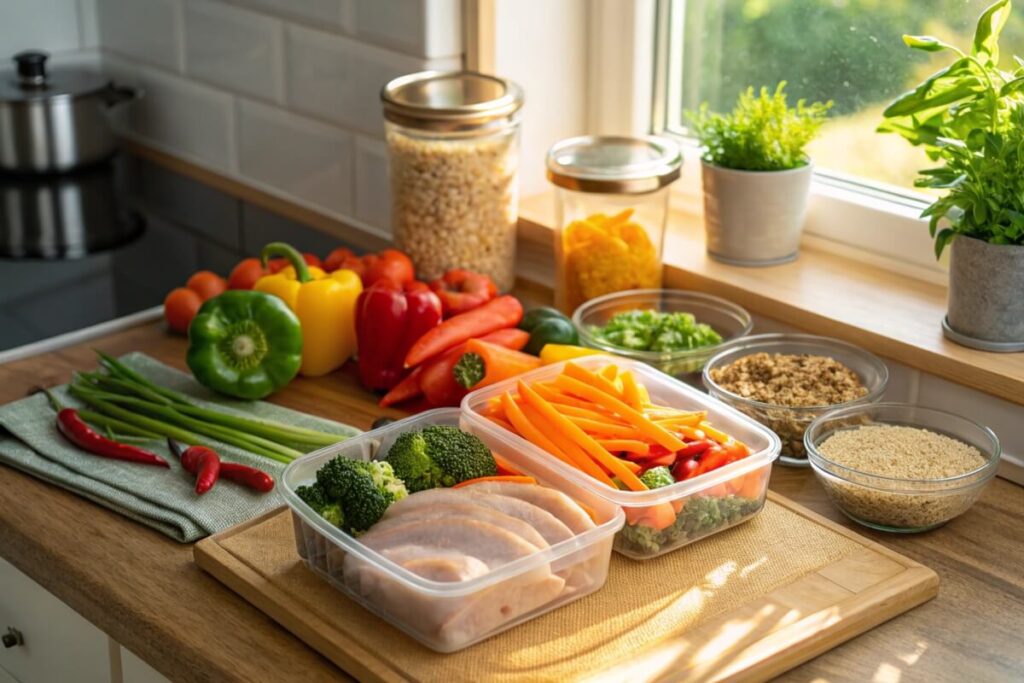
(628, 445)
(528, 430)
(689, 433)
(553, 395)
(483, 364)
(592, 378)
(504, 311)
(609, 372)
(504, 466)
(507, 478)
(576, 454)
(585, 441)
(691, 420)
(501, 422)
(634, 417)
(630, 390)
(603, 428)
(714, 434)
(407, 389)
(630, 465)
(584, 412)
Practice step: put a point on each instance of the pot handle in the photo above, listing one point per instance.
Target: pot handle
(116, 94)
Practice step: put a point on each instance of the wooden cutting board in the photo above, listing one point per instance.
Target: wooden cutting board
(745, 604)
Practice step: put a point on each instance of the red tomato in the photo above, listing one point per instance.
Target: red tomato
(207, 284)
(343, 257)
(312, 259)
(391, 264)
(684, 469)
(246, 273)
(180, 306)
(276, 265)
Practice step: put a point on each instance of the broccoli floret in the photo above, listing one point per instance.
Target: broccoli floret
(438, 456)
(656, 477)
(332, 513)
(314, 496)
(360, 491)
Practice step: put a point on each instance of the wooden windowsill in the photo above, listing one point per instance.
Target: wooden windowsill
(890, 314)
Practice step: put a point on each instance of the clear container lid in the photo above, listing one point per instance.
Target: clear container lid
(614, 164)
(30, 80)
(451, 100)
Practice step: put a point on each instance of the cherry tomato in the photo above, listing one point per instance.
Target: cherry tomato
(684, 469)
(246, 273)
(343, 257)
(391, 264)
(276, 265)
(312, 259)
(180, 306)
(207, 284)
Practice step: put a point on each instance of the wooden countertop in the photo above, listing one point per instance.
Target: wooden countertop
(144, 590)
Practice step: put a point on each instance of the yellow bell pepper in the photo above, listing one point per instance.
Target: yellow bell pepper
(554, 353)
(324, 303)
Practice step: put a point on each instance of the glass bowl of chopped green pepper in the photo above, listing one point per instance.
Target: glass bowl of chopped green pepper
(673, 330)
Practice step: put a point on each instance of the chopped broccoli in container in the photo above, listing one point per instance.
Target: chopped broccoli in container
(656, 331)
(700, 516)
(656, 477)
(351, 494)
(438, 456)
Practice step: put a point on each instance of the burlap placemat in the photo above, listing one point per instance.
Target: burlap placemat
(642, 604)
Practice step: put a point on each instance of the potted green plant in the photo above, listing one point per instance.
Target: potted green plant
(969, 117)
(757, 176)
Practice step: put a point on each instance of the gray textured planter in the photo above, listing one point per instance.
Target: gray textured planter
(986, 291)
(754, 218)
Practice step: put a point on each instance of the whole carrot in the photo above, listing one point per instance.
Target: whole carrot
(505, 311)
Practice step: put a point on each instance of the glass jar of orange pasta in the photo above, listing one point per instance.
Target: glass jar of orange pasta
(612, 196)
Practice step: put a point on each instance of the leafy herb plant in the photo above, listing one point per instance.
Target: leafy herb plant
(969, 117)
(762, 133)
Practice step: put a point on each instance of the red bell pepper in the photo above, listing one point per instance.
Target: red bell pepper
(463, 290)
(389, 320)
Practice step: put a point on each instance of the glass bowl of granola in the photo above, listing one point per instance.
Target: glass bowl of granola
(786, 381)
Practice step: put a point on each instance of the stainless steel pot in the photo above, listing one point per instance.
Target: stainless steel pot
(55, 122)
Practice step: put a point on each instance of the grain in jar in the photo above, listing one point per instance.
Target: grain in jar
(453, 142)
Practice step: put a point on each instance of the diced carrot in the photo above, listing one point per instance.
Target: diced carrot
(576, 455)
(586, 442)
(593, 379)
(634, 417)
(508, 479)
(752, 486)
(658, 517)
(528, 430)
(630, 390)
(631, 445)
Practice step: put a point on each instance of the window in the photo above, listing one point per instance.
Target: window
(847, 51)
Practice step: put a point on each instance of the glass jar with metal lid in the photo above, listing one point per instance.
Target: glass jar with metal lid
(611, 210)
(453, 148)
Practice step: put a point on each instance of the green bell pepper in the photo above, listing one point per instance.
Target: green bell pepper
(245, 344)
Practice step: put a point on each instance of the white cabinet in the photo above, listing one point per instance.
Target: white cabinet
(59, 645)
(134, 670)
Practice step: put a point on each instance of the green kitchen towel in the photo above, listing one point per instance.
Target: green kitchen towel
(160, 498)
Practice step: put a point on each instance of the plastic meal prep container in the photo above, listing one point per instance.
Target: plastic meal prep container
(421, 607)
(704, 505)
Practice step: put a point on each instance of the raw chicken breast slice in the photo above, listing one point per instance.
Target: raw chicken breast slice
(485, 541)
(467, 508)
(557, 503)
(550, 527)
(436, 564)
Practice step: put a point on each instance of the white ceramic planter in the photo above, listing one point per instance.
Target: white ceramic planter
(755, 218)
(986, 295)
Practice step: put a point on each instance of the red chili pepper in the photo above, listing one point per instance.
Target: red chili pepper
(193, 458)
(463, 290)
(82, 435)
(684, 469)
(389, 319)
(200, 461)
(257, 480)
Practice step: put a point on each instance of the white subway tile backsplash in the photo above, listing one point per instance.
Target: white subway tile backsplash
(306, 159)
(235, 48)
(50, 25)
(373, 191)
(327, 14)
(147, 30)
(88, 28)
(426, 28)
(178, 115)
(1002, 417)
(339, 79)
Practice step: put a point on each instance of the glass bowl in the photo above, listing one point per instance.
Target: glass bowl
(790, 422)
(890, 503)
(726, 318)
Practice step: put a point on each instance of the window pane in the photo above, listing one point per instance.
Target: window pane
(847, 51)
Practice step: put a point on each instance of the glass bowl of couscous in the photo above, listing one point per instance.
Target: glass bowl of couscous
(900, 467)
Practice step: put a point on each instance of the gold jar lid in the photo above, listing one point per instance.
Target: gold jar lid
(451, 100)
(614, 164)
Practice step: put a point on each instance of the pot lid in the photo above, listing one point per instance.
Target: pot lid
(31, 80)
(614, 164)
(450, 100)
